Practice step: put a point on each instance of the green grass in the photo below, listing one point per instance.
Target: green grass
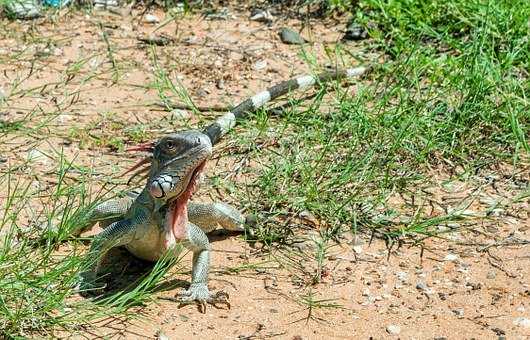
(39, 272)
(450, 94)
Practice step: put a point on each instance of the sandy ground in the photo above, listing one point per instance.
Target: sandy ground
(470, 284)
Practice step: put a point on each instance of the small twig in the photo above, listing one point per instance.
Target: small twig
(498, 266)
(509, 241)
(159, 40)
(181, 106)
(109, 52)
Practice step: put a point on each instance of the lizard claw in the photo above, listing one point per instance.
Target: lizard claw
(199, 294)
(220, 298)
(87, 282)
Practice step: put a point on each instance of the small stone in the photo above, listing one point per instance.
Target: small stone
(357, 244)
(180, 114)
(522, 322)
(498, 331)
(218, 63)
(402, 276)
(520, 309)
(261, 16)
(357, 249)
(36, 156)
(366, 292)
(161, 336)
(491, 275)
(201, 92)
(473, 285)
(184, 318)
(151, 19)
(459, 312)
(220, 84)
(355, 31)
(259, 65)
(393, 329)
(422, 286)
(451, 257)
(308, 218)
(288, 36)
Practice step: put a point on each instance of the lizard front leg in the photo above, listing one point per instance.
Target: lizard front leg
(198, 292)
(208, 216)
(107, 213)
(117, 234)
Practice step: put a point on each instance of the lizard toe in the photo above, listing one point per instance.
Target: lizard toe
(200, 295)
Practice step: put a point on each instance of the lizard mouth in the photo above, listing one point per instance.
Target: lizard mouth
(177, 213)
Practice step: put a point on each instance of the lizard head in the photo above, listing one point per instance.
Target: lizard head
(177, 162)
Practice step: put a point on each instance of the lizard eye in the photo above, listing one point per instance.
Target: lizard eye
(170, 145)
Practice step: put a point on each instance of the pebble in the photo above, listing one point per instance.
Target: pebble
(402, 276)
(161, 336)
(421, 286)
(491, 274)
(288, 36)
(393, 329)
(458, 312)
(355, 31)
(261, 16)
(201, 92)
(358, 249)
(37, 156)
(151, 19)
(451, 257)
(180, 114)
(259, 65)
(522, 322)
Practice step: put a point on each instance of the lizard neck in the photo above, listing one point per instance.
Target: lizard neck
(146, 200)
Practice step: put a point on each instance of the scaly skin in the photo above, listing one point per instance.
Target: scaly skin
(152, 222)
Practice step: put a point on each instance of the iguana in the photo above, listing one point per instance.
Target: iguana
(150, 223)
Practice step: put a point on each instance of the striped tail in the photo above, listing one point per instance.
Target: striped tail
(227, 121)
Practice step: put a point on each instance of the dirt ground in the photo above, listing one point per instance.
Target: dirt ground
(464, 284)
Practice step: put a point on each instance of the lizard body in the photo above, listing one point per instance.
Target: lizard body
(151, 222)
